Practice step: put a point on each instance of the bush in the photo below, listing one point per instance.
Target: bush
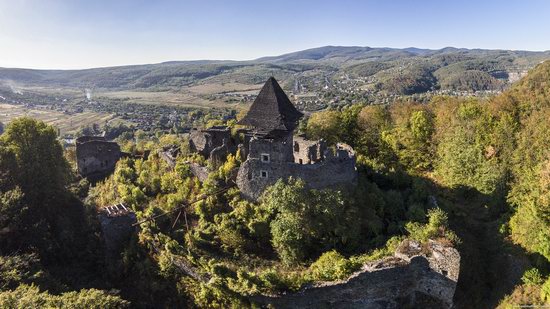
(308, 222)
(533, 277)
(545, 291)
(331, 266)
(29, 296)
(522, 295)
(437, 227)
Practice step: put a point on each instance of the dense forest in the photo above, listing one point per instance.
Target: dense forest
(472, 172)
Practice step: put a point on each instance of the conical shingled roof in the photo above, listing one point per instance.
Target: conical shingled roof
(272, 110)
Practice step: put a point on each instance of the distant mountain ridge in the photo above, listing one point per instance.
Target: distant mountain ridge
(393, 70)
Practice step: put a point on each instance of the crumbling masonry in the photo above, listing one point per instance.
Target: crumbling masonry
(96, 156)
(214, 143)
(272, 152)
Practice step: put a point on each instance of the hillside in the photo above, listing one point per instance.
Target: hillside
(315, 79)
(309, 70)
(469, 176)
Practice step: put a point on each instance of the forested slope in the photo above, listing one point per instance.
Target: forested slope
(471, 172)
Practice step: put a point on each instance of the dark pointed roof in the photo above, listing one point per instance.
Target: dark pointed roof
(272, 110)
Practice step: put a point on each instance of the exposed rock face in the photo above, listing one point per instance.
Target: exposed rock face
(415, 277)
(96, 156)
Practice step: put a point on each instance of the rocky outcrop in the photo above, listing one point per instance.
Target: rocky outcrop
(417, 276)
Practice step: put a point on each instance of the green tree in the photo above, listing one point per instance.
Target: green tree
(307, 222)
(466, 155)
(42, 171)
(327, 125)
(26, 296)
(373, 124)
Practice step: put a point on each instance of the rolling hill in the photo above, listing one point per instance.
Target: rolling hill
(312, 72)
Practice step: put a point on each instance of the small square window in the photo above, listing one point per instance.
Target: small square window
(263, 174)
(265, 157)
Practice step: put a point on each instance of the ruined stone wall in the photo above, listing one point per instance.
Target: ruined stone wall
(214, 143)
(308, 152)
(255, 175)
(200, 172)
(415, 277)
(116, 230)
(278, 149)
(329, 173)
(204, 141)
(218, 155)
(95, 155)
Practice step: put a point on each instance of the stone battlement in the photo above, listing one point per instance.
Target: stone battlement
(416, 276)
(272, 159)
(272, 151)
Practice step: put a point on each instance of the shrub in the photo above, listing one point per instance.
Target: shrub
(308, 222)
(26, 296)
(331, 266)
(545, 291)
(532, 276)
(437, 227)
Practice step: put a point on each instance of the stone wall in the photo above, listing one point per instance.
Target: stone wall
(169, 154)
(95, 155)
(256, 173)
(213, 143)
(204, 141)
(308, 152)
(415, 277)
(198, 171)
(117, 228)
(278, 149)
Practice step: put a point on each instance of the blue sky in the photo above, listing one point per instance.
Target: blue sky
(68, 34)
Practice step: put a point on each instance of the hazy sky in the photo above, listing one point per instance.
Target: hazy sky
(81, 34)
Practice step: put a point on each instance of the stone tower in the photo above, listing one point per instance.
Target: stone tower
(272, 153)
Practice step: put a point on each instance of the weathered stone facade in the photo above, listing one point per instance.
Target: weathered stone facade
(272, 159)
(308, 152)
(272, 152)
(214, 143)
(95, 155)
(117, 228)
(415, 277)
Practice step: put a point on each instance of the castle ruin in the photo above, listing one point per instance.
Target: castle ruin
(213, 143)
(272, 152)
(96, 156)
(416, 276)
